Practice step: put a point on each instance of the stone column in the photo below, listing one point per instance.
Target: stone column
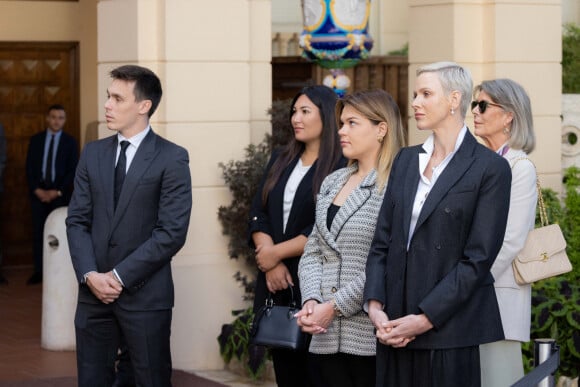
(213, 58)
(514, 39)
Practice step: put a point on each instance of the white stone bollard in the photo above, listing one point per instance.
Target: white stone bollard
(59, 286)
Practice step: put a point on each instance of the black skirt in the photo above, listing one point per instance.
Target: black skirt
(428, 367)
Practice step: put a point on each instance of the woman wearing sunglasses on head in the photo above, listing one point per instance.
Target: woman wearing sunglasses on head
(503, 119)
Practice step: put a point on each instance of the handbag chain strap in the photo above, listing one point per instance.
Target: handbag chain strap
(541, 203)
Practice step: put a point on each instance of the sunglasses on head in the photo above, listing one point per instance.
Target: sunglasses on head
(483, 105)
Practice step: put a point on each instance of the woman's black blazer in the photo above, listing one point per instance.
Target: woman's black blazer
(445, 270)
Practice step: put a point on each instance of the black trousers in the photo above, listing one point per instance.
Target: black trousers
(125, 376)
(346, 370)
(99, 328)
(428, 367)
(296, 368)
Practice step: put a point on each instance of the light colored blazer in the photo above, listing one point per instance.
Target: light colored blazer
(515, 300)
(334, 261)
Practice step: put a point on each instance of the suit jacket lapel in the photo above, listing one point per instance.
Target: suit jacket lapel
(410, 190)
(141, 161)
(324, 202)
(356, 199)
(460, 163)
(106, 169)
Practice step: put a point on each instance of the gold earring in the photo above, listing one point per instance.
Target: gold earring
(380, 139)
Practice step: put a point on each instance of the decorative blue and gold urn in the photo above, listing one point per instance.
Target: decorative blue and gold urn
(336, 36)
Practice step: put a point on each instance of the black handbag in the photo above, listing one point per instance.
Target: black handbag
(275, 326)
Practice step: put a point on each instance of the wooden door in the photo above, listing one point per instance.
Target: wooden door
(33, 76)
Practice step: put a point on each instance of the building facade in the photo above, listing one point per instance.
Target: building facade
(214, 60)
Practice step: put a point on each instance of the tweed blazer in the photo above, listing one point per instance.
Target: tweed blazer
(334, 261)
(515, 300)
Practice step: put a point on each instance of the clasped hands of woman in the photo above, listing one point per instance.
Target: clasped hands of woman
(400, 332)
(315, 318)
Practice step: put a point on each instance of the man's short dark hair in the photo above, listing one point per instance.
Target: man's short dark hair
(55, 106)
(147, 84)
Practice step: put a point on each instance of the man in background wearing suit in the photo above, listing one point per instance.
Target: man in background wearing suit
(3, 279)
(50, 167)
(128, 217)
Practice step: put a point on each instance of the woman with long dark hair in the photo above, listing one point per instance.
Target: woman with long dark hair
(282, 213)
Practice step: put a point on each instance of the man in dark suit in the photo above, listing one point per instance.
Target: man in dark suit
(50, 167)
(128, 217)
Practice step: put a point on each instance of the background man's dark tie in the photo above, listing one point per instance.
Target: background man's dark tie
(120, 170)
(48, 170)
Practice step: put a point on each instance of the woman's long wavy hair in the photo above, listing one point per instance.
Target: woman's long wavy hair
(328, 154)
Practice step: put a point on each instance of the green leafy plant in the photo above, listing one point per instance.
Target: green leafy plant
(556, 315)
(243, 179)
(571, 221)
(556, 301)
(571, 59)
(234, 341)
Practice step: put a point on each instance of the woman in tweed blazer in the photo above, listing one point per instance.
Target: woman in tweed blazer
(332, 268)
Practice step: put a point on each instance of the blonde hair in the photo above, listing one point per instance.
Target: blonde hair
(378, 106)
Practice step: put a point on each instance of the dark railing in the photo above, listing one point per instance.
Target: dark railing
(546, 362)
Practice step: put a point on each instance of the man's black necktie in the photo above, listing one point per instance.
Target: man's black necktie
(120, 170)
(48, 170)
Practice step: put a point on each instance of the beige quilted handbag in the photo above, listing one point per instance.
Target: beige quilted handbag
(544, 253)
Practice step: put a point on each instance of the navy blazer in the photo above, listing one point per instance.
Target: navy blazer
(65, 162)
(149, 226)
(445, 272)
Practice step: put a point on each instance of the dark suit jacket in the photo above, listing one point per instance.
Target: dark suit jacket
(268, 218)
(65, 163)
(147, 229)
(445, 273)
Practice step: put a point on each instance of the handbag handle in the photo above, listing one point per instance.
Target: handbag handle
(541, 203)
(270, 300)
